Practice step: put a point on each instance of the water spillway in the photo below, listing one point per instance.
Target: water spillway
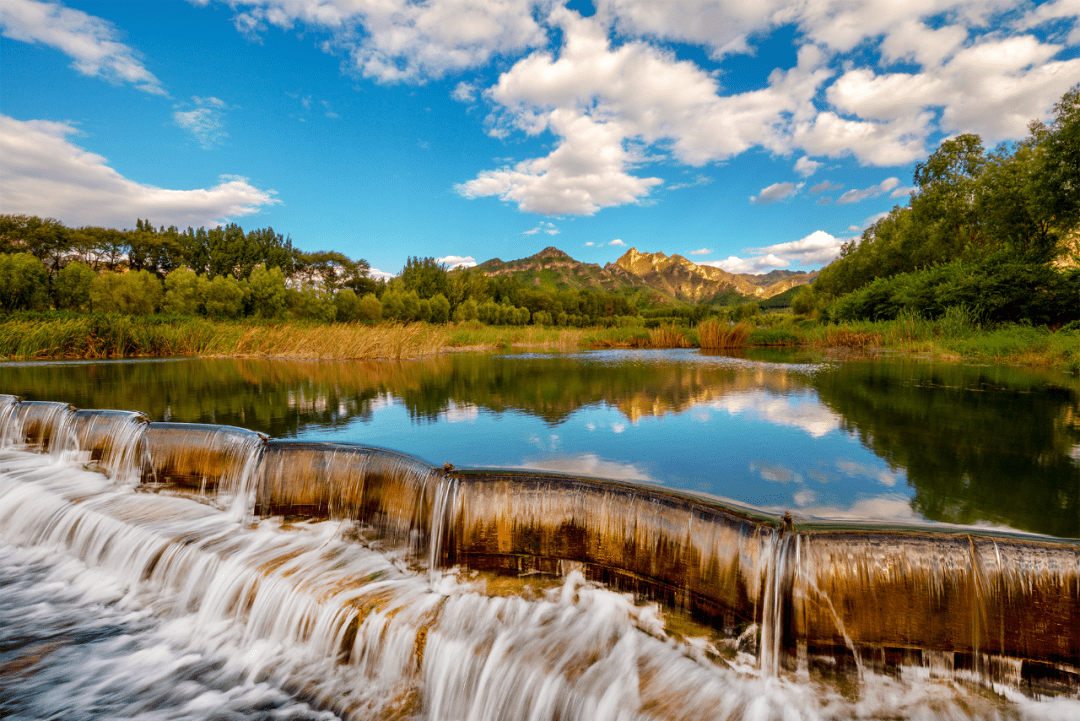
(320, 612)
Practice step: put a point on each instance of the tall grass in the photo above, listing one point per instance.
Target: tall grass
(668, 336)
(63, 335)
(337, 341)
(714, 335)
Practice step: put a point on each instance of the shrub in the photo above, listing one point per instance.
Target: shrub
(266, 292)
(73, 286)
(185, 292)
(24, 283)
(136, 292)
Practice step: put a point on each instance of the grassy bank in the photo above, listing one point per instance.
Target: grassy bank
(39, 336)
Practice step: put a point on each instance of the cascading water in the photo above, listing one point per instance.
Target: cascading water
(184, 610)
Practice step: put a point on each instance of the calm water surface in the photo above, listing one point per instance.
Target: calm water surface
(883, 439)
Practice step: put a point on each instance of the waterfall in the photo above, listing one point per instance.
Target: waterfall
(367, 584)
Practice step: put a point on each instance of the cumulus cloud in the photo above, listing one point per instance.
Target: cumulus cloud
(91, 42)
(589, 243)
(464, 92)
(204, 121)
(457, 261)
(44, 174)
(701, 251)
(400, 40)
(806, 167)
(874, 191)
(825, 186)
(377, 274)
(753, 266)
(818, 248)
(618, 243)
(809, 416)
(775, 192)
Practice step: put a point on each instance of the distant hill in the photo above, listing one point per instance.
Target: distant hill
(659, 278)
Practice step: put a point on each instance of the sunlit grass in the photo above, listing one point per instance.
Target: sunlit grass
(716, 335)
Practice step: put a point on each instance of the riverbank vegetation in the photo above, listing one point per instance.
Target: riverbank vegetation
(983, 264)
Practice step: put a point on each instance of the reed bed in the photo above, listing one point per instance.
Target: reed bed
(338, 341)
(41, 336)
(715, 335)
(474, 335)
(668, 336)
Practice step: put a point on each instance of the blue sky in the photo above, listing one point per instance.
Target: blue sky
(749, 134)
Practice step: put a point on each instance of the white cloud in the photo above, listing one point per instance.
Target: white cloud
(544, 227)
(902, 192)
(44, 174)
(809, 416)
(617, 243)
(868, 222)
(204, 121)
(855, 196)
(591, 465)
(701, 251)
(377, 274)
(753, 266)
(818, 248)
(400, 40)
(464, 92)
(590, 243)
(775, 192)
(698, 180)
(806, 167)
(457, 261)
(88, 40)
(825, 186)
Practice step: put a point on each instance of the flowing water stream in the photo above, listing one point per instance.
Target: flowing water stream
(164, 570)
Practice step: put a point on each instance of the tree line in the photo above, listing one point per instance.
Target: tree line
(226, 273)
(981, 230)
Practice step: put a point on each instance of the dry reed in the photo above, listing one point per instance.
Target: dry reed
(339, 341)
(667, 336)
(714, 335)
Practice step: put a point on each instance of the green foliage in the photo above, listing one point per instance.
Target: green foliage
(426, 277)
(440, 309)
(73, 286)
(370, 308)
(998, 289)
(133, 293)
(1023, 199)
(266, 292)
(772, 336)
(311, 303)
(24, 283)
(468, 310)
(803, 302)
(185, 292)
(347, 304)
(225, 298)
(744, 311)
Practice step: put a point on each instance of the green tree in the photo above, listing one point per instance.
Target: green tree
(440, 309)
(370, 308)
(24, 283)
(185, 292)
(311, 303)
(47, 240)
(266, 292)
(137, 292)
(468, 310)
(73, 286)
(348, 305)
(224, 297)
(425, 276)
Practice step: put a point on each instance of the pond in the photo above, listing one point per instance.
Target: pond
(890, 439)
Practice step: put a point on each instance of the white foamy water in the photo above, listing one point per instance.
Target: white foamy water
(119, 604)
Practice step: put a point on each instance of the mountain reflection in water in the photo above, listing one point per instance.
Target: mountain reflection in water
(881, 439)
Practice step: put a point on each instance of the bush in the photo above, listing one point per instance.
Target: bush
(266, 292)
(185, 292)
(137, 292)
(225, 298)
(73, 286)
(370, 308)
(24, 283)
(440, 309)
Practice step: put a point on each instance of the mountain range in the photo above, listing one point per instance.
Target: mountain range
(662, 279)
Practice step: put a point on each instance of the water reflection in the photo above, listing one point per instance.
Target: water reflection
(884, 439)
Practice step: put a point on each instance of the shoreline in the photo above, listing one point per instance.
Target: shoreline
(30, 337)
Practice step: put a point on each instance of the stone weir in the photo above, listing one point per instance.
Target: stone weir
(999, 607)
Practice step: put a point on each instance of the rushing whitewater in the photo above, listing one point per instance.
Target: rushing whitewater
(169, 599)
